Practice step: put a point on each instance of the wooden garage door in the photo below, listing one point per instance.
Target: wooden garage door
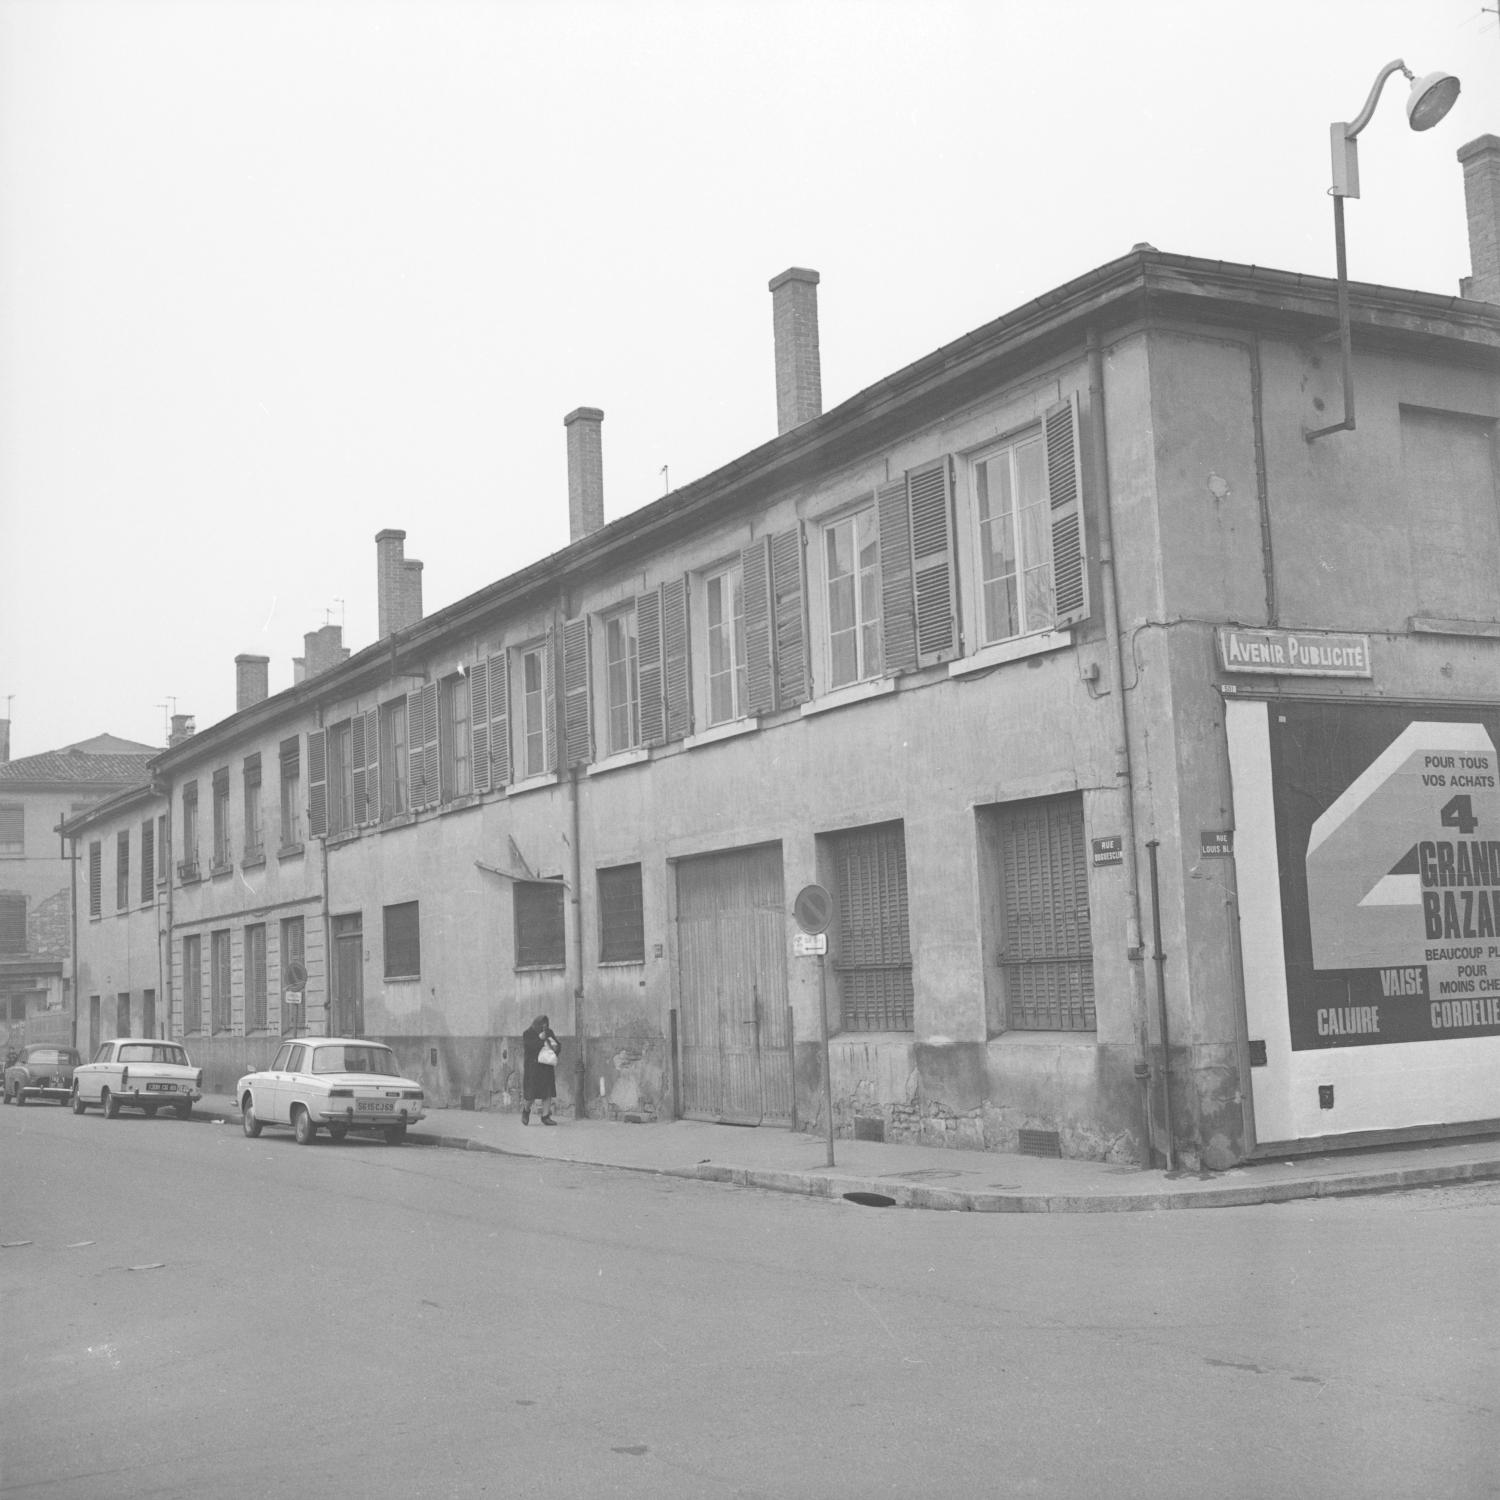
(732, 999)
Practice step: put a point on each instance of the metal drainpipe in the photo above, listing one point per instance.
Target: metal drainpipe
(580, 1069)
(73, 904)
(1099, 462)
(164, 970)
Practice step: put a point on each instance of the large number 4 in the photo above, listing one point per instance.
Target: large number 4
(1458, 812)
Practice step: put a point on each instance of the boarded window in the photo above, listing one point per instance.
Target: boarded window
(1046, 950)
(403, 947)
(255, 977)
(540, 930)
(873, 963)
(622, 928)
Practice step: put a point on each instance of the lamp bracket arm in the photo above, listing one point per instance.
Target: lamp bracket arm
(1362, 119)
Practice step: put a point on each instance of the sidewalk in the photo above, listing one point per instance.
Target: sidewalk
(930, 1176)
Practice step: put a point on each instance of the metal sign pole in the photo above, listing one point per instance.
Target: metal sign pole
(827, 1064)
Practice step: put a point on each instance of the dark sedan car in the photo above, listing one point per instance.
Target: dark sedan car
(42, 1071)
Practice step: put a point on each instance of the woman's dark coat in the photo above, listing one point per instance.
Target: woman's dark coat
(539, 1080)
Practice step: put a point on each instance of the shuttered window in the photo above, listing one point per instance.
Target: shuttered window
(218, 980)
(221, 817)
(122, 869)
(724, 636)
(12, 829)
(489, 684)
(455, 739)
(96, 876)
(12, 923)
(852, 585)
(873, 962)
(538, 724)
(540, 928)
(148, 861)
(422, 742)
(403, 941)
(291, 793)
(622, 679)
(577, 723)
(364, 758)
(622, 929)
(255, 977)
(676, 683)
(192, 984)
(187, 866)
(393, 758)
(254, 834)
(293, 952)
(1046, 948)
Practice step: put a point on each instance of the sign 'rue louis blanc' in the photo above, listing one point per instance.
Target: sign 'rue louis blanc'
(1294, 653)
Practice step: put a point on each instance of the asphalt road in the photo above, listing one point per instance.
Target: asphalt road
(190, 1313)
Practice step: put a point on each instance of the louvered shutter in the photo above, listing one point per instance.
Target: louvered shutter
(790, 618)
(577, 749)
(372, 765)
(361, 752)
(676, 681)
(317, 784)
(421, 738)
(549, 694)
(499, 696)
(931, 496)
(898, 622)
(649, 667)
(479, 724)
(760, 687)
(1070, 579)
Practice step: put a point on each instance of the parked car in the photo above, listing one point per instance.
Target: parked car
(341, 1083)
(138, 1073)
(42, 1071)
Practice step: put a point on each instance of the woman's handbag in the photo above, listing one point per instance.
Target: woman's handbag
(547, 1056)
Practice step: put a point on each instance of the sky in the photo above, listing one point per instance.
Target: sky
(277, 276)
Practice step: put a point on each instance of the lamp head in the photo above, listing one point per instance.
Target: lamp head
(1431, 98)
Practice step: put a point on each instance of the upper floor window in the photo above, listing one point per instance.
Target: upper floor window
(393, 758)
(148, 861)
(254, 839)
(622, 681)
(12, 830)
(291, 793)
(534, 675)
(189, 862)
(724, 633)
(340, 778)
(851, 559)
(1014, 543)
(96, 862)
(221, 817)
(122, 869)
(454, 742)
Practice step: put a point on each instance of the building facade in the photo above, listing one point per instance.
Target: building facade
(1144, 739)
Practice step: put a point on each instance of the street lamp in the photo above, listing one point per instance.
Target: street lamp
(1431, 98)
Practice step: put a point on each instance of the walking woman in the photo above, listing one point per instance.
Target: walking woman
(539, 1076)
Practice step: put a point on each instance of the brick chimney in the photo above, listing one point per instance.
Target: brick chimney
(252, 681)
(183, 728)
(322, 648)
(585, 471)
(398, 584)
(4, 741)
(1481, 163)
(794, 322)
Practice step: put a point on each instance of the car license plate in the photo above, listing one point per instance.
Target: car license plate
(161, 1088)
(374, 1106)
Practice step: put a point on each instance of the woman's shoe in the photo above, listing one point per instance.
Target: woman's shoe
(548, 1120)
(526, 1114)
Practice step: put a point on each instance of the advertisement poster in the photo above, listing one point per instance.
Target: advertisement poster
(1388, 840)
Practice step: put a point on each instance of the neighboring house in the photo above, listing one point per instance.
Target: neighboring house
(1064, 636)
(36, 793)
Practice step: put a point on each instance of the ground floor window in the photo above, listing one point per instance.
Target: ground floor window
(192, 984)
(867, 868)
(403, 947)
(1045, 947)
(540, 929)
(622, 928)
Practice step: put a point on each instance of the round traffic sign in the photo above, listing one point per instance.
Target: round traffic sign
(813, 909)
(296, 976)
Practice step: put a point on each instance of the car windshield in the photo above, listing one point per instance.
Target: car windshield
(157, 1052)
(51, 1057)
(361, 1059)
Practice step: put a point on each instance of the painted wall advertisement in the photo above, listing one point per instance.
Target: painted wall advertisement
(1388, 842)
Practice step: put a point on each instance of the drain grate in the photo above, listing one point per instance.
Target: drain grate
(1040, 1143)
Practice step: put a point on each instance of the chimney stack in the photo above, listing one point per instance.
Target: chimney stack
(794, 322)
(252, 681)
(183, 728)
(585, 471)
(1481, 163)
(4, 741)
(398, 585)
(322, 648)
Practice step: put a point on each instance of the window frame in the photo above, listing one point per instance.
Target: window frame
(394, 801)
(122, 870)
(730, 573)
(455, 737)
(400, 941)
(254, 940)
(12, 820)
(338, 740)
(540, 935)
(622, 914)
(221, 855)
(192, 984)
(13, 913)
(253, 841)
(289, 757)
(220, 982)
(867, 630)
(533, 700)
(621, 675)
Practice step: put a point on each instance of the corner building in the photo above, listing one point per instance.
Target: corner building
(1100, 696)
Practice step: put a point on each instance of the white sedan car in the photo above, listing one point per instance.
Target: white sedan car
(137, 1073)
(341, 1083)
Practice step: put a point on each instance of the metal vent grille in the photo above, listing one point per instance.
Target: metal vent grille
(1040, 1143)
(869, 1129)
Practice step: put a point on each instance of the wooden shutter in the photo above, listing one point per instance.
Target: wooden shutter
(649, 667)
(498, 668)
(371, 813)
(930, 493)
(676, 680)
(898, 620)
(1070, 579)
(421, 742)
(317, 784)
(96, 863)
(577, 749)
(760, 686)
(479, 724)
(549, 697)
(792, 677)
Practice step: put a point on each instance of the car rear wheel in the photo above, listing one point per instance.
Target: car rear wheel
(184, 1110)
(304, 1126)
(150, 1111)
(248, 1123)
(111, 1106)
(338, 1132)
(78, 1104)
(395, 1134)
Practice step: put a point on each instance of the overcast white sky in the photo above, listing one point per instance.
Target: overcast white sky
(276, 276)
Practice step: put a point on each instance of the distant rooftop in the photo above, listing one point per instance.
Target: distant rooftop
(105, 758)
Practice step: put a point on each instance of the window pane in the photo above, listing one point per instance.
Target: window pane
(403, 954)
(622, 933)
(540, 933)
